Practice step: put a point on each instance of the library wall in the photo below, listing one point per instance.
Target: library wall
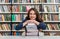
(12, 12)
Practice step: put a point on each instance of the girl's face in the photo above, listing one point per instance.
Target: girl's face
(32, 15)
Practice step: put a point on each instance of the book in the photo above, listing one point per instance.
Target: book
(6, 1)
(3, 19)
(10, 1)
(7, 17)
(13, 17)
(59, 17)
(3, 1)
(0, 27)
(44, 1)
(0, 17)
(48, 1)
(24, 1)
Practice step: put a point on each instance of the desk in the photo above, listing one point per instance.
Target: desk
(29, 37)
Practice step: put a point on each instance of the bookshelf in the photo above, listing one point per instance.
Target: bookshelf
(5, 17)
(18, 9)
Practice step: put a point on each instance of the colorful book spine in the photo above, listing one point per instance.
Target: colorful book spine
(13, 17)
(10, 1)
(59, 13)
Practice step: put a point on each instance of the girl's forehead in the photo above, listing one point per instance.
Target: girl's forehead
(32, 11)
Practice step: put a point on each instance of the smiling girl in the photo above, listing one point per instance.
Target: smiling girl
(33, 16)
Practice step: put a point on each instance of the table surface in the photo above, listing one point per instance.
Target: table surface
(29, 37)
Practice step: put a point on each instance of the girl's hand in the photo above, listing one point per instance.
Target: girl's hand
(26, 22)
(33, 21)
(36, 22)
(30, 21)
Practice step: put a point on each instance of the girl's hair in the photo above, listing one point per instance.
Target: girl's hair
(38, 18)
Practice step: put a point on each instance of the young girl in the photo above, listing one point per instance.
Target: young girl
(33, 17)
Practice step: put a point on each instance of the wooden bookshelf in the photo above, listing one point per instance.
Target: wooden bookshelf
(5, 27)
(23, 13)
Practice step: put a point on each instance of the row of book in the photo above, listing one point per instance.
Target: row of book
(6, 30)
(5, 1)
(51, 17)
(8, 27)
(41, 8)
(53, 26)
(48, 27)
(35, 1)
(5, 8)
(20, 17)
(5, 27)
(18, 8)
(13, 17)
(26, 1)
(50, 1)
(5, 34)
(29, 1)
(51, 8)
(16, 17)
(5, 17)
(24, 8)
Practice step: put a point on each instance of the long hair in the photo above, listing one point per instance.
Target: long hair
(38, 18)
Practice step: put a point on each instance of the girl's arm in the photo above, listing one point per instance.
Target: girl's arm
(20, 25)
(41, 26)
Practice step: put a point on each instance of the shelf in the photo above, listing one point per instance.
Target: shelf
(39, 12)
(13, 22)
(52, 31)
(37, 3)
(19, 12)
(5, 3)
(52, 22)
(5, 21)
(51, 3)
(30, 3)
(21, 21)
(23, 30)
(44, 22)
(18, 30)
(16, 21)
(51, 12)
(5, 12)
(29, 30)
(27, 12)
(5, 30)
(27, 3)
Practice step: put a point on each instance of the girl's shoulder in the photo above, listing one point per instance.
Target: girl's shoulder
(24, 20)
